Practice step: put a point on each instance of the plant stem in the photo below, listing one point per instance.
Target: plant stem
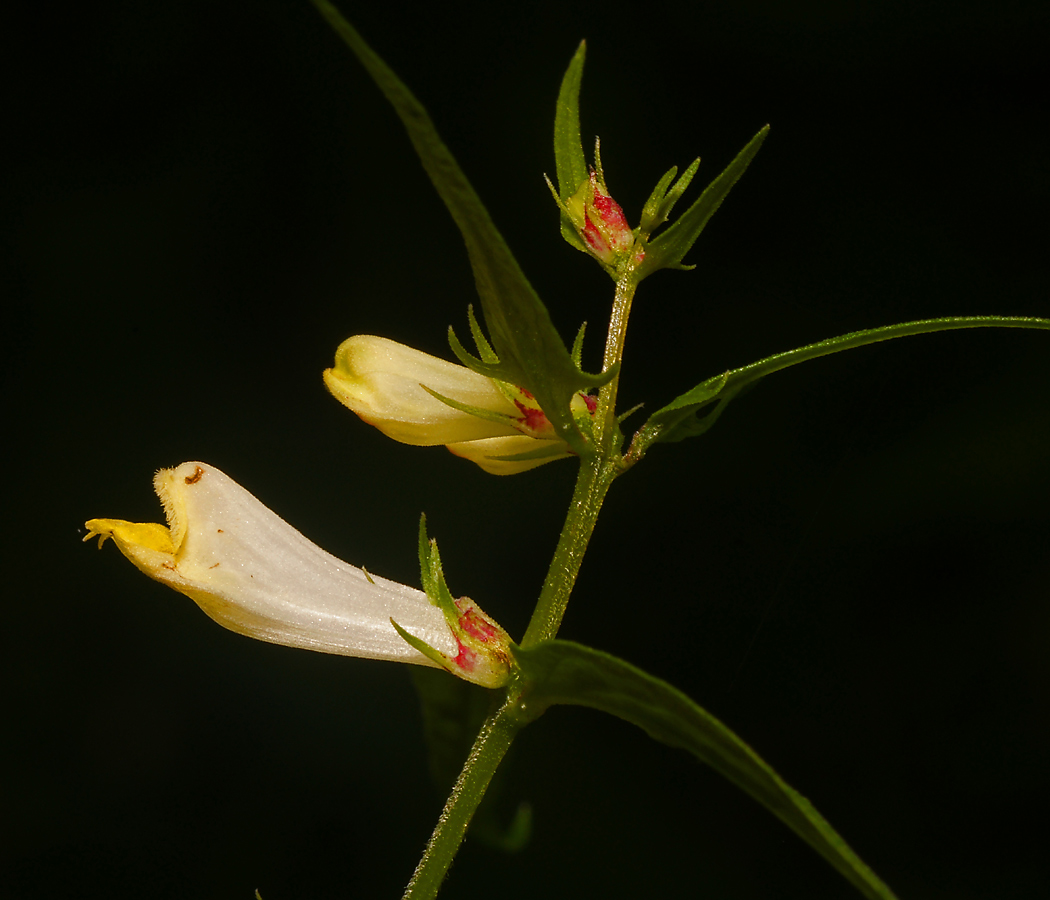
(490, 746)
(605, 414)
(596, 475)
(592, 484)
(499, 730)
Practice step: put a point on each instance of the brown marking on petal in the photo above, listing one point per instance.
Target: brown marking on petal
(196, 476)
(215, 566)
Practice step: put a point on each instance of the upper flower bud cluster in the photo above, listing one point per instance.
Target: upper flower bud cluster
(597, 220)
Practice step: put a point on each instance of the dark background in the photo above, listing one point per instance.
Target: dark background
(851, 569)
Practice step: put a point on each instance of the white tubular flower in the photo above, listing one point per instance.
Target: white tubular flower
(253, 573)
(393, 387)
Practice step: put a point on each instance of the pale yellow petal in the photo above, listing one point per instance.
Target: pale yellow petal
(381, 380)
(483, 452)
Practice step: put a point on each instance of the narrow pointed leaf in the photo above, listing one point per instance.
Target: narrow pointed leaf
(678, 420)
(669, 248)
(569, 159)
(531, 353)
(560, 672)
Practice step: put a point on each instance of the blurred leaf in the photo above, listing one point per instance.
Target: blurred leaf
(560, 672)
(531, 353)
(678, 420)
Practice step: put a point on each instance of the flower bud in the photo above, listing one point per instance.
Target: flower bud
(600, 221)
(419, 399)
(386, 383)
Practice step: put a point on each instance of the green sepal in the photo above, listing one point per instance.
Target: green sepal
(485, 350)
(560, 672)
(531, 353)
(569, 159)
(433, 578)
(577, 345)
(667, 251)
(423, 647)
(678, 420)
(487, 414)
(661, 201)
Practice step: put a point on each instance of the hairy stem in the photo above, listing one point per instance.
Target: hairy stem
(499, 730)
(596, 474)
(490, 746)
(592, 484)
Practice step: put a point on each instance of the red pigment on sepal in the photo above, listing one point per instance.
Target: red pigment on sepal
(533, 420)
(596, 242)
(466, 659)
(474, 625)
(611, 214)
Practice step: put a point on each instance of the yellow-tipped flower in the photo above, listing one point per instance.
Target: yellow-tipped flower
(253, 573)
(419, 399)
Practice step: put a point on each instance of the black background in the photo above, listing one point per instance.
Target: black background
(851, 569)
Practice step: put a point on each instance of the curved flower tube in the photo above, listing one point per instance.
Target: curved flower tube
(253, 573)
(416, 398)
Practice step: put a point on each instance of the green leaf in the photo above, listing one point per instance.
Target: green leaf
(669, 248)
(531, 353)
(560, 672)
(678, 420)
(569, 158)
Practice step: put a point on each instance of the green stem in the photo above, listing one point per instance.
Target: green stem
(499, 730)
(604, 416)
(596, 475)
(490, 746)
